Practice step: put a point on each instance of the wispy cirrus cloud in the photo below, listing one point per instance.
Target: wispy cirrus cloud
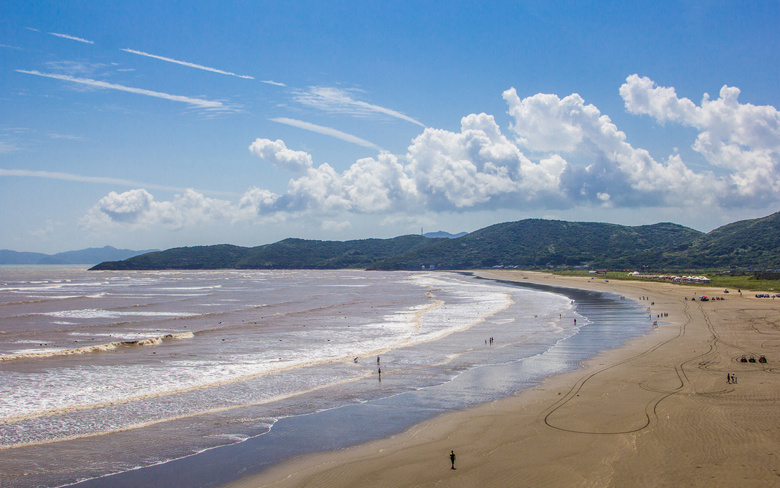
(328, 131)
(6, 147)
(82, 69)
(67, 137)
(53, 175)
(336, 100)
(188, 64)
(196, 102)
(101, 180)
(200, 66)
(72, 38)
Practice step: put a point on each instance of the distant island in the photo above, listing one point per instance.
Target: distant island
(532, 243)
(89, 256)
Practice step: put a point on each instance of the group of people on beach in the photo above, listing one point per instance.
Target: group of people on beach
(732, 380)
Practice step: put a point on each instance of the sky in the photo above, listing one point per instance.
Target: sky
(154, 124)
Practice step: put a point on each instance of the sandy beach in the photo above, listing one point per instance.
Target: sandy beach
(659, 411)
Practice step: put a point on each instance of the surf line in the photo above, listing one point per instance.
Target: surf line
(110, 346)
(408, 341)
(149, 423)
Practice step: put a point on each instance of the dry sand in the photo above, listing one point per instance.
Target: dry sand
(656, 412)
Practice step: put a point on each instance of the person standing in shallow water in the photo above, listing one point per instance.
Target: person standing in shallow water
(452, 459)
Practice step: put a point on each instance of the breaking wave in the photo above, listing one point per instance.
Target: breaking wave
(109, 346)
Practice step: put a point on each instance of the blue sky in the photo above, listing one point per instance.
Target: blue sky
(162, 124)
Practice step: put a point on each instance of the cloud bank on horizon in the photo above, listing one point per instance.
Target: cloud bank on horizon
(525, 165)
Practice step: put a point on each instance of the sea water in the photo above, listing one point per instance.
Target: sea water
(105, 372)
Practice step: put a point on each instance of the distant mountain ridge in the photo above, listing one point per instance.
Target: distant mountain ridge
(91, 255)
(531, 243)
(443, 235)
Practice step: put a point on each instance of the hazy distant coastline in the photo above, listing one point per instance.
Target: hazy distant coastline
(91, 255)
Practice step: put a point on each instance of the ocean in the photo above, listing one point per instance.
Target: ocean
(193, 378)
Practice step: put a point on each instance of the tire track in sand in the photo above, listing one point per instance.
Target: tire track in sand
(650, 410)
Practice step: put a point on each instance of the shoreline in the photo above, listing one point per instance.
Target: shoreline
(657, 411)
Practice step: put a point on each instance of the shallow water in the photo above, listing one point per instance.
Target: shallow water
(108, 371)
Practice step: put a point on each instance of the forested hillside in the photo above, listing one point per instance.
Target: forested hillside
(532, 243)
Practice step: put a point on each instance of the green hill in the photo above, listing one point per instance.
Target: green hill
(539, 243)
(306, 254)
(199, 257)
(532, 243)
(286, 254)
(750, 243)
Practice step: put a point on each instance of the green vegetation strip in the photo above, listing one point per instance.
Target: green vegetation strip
(745, 282)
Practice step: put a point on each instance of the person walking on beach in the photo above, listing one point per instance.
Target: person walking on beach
(452, 459)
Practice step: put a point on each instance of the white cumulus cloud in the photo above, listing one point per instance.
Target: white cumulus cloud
(741, 138)
(373, 185)
(478, 167)
(629, 175)
(138, 208)
(277, 153)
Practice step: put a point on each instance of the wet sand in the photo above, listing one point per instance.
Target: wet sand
(658, 411)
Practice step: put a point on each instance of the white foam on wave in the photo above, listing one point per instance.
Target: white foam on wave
(190, 288)
(31, 352)
(110, 346)
(155, 295)
(55, 297)
(97, 313)
(347, 286)
(124, 335)
(233, 438)
(46, 287)
(30, 288)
